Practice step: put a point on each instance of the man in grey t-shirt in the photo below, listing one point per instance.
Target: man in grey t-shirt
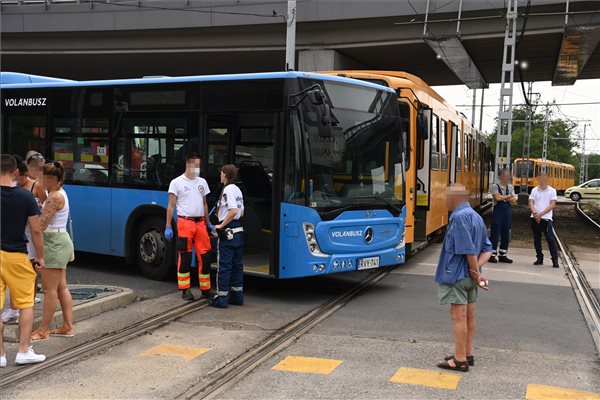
(504, 195)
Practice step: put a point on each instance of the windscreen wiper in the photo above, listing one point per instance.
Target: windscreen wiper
(389, 203)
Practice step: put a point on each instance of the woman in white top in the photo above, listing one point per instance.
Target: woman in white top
(230, 275)
(58, 250)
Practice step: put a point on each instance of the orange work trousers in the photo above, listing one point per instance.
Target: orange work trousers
(192, 234)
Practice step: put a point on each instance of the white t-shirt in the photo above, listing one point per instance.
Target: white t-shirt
(231, 198)
(541, 200)
(190, 195)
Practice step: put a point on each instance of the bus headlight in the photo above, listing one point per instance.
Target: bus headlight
(311, 240)
(402, 242)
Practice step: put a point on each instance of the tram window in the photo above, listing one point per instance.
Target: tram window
(435, 143)
(458, 149)
(467, 152)
(405, 129)
(444, 144)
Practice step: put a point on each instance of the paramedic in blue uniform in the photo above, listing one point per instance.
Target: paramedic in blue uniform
(504, 195)
(230, 208)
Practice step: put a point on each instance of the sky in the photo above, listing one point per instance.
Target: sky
(583, 91)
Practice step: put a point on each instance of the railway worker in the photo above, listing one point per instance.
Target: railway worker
(18, 207)
(465, 250)
(188, 194)
(542, 201)
(230, 208)
(503, 194)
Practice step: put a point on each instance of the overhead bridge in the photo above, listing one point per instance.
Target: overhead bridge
(442, 41)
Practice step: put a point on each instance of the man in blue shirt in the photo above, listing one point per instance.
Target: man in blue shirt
(466, 248)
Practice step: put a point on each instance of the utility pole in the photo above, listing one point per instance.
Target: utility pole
(290, 40)
(582, 163)
(504, 132)
(545, 147)
(524, 176)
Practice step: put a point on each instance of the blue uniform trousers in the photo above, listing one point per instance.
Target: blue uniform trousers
(501, 225)
(230, 275)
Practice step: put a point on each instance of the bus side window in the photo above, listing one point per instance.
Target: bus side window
(151, 150)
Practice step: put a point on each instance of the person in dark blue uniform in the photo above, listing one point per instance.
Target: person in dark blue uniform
(504, 196)
(230, 275)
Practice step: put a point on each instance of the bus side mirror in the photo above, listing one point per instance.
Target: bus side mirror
(319, 99)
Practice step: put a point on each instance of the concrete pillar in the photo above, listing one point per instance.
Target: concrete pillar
(325, 60)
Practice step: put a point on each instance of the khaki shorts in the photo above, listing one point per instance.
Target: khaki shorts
(463, 292)
(18, 274)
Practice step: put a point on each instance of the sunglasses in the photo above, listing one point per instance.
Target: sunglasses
(35, 157)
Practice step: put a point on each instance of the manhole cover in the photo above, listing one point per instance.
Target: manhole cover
(88, 293)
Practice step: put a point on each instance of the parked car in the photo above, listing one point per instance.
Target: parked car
(587, 190)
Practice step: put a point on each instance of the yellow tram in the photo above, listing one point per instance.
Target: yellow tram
(444, 148)
(561, 176)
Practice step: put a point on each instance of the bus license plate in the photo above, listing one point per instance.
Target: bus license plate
(369, 262)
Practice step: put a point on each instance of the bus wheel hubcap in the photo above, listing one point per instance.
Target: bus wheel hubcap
(150, 247)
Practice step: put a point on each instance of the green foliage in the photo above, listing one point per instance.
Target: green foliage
(593, 170)
(561, 137)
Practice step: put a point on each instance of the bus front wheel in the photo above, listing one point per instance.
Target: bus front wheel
(152, 249)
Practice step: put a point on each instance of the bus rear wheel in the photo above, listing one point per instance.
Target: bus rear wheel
(152, 249)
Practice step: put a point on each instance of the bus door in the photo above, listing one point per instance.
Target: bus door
(247, 140)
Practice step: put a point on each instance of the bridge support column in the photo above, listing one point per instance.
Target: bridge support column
(325, 60)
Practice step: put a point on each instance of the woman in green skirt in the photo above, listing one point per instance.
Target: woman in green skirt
(58, 250)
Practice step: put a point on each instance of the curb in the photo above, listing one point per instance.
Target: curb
(81, 312)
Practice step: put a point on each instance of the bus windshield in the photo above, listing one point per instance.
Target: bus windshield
(361, 165)
(524, 168)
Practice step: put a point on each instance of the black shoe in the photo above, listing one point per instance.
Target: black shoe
(187, 295)
(504, 259)
(470, 359)
(207, 294)
(554, 263)
(493, 260)
(539, 261)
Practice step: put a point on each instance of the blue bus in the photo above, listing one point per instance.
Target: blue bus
(320, 159)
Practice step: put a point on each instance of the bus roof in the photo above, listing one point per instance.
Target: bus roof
(16, 80)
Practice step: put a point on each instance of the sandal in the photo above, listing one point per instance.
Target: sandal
(62, 332)
(461, 366)
(470, 359)
(39, 335)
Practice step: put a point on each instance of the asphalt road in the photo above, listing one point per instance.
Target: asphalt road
(531, 331)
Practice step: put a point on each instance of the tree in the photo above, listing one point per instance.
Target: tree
(593, 161)
(561, 137)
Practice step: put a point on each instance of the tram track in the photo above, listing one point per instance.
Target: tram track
(588, 302)
(220, 379)
(84, 350)
(586, 216)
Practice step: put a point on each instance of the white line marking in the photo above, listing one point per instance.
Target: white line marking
(516, 272)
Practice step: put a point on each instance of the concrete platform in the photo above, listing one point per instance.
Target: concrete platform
(106, 298)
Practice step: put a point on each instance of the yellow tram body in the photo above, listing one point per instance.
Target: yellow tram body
(561, 176)
(454, 152)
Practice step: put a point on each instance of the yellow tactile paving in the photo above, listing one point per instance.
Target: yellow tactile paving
(423, 377)
(308, 365)
(187, 353)
(543, 392)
